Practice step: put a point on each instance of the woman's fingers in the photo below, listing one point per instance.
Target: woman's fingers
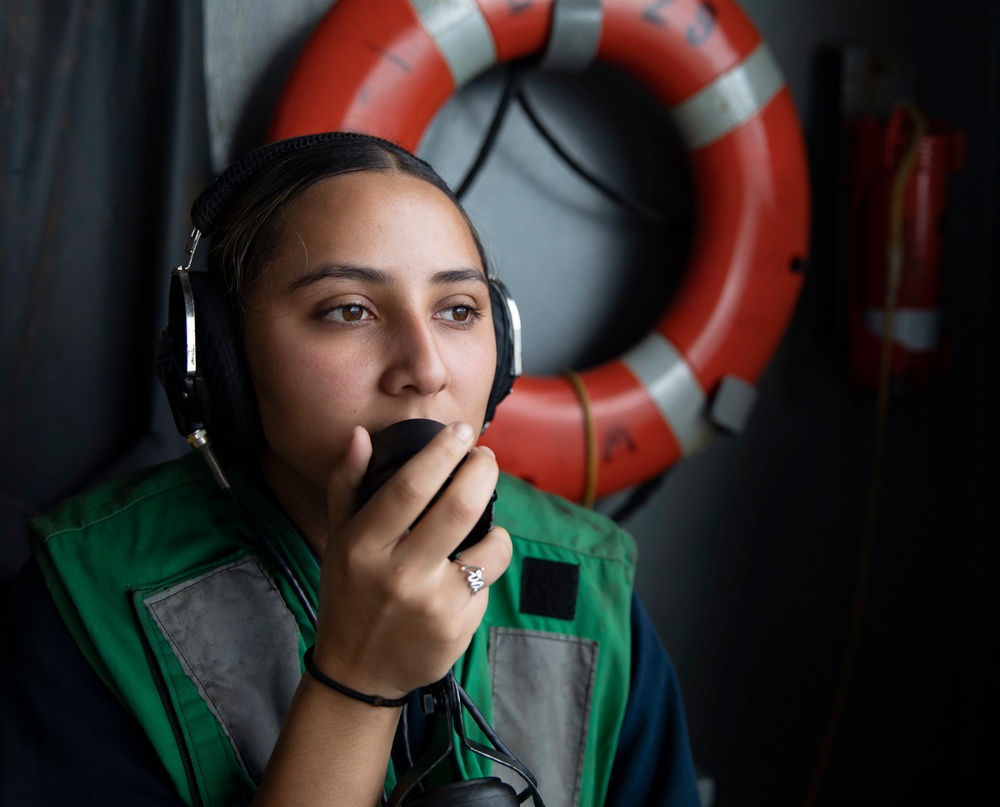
(479, 568)
(403, 499)
(492, 555)
(345, 480)
(454, 514)
(395, 612)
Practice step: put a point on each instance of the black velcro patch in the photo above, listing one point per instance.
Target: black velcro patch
(548, 588)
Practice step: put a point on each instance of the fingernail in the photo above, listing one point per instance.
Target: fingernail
(487, 450)
(463, 431)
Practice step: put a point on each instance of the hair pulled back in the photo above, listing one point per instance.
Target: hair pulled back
(243, 209)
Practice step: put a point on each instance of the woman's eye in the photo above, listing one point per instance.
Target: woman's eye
(349, 312)
(459, 313)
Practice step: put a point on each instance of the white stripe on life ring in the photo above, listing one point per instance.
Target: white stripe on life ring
(668, 379)
(729, 101)
(574, 36)
(462, 35)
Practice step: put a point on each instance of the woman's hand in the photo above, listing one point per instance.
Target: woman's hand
(394, 612)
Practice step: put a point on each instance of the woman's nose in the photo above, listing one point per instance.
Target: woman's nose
(416, 362)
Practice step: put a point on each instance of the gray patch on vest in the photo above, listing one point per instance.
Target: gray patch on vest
(543, 686)
(238, 643)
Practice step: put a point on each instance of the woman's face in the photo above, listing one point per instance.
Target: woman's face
(375, 309)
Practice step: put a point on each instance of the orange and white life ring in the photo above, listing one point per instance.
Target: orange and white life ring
(386, 67)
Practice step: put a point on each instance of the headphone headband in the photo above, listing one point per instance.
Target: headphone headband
(209, 208)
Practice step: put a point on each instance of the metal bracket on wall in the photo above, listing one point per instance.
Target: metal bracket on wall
(732, 404)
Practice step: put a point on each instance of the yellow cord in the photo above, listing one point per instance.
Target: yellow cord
(590, 434)
(893, 282)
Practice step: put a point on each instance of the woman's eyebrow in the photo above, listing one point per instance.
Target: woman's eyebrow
(341, 271)
(459, 276)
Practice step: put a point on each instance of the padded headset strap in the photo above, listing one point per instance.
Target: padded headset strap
(209, 208)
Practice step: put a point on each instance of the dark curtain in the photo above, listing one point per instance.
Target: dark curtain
(104, 145)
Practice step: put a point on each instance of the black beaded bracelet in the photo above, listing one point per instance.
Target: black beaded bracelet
(374, 700)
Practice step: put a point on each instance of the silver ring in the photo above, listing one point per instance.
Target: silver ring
(474, 576)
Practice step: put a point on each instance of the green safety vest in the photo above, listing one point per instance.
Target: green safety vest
(160, 581)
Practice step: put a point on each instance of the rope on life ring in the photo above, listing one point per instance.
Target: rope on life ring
(386, 67)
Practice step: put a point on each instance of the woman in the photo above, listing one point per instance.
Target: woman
(360, 295)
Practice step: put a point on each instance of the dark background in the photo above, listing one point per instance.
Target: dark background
(116, 113)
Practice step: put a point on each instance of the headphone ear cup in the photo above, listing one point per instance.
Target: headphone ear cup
(507, 326)
(224, 388)
(171, 365)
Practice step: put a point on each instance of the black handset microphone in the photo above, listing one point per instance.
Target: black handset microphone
(393, 446)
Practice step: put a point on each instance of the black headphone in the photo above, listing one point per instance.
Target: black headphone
(200, 360)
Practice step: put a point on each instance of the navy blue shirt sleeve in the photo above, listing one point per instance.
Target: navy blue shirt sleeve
(653, 766)
(64, 737)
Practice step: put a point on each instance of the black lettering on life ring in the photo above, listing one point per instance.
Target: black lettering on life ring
(517, 6)
(704, 23)
(652, 12)
(617, 436)
(392, 58)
